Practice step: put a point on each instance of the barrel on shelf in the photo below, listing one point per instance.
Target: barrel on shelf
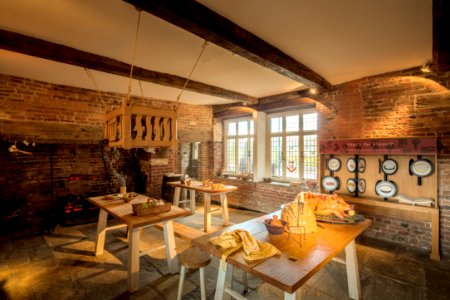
(167, 191)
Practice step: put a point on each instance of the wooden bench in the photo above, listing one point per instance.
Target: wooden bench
(183, 231)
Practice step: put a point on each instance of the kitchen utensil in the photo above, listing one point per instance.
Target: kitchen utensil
(421, 168)
(351, 185)
(334, 164)
(330, 183)
(388, 166)
(361, 186)
(351, 165)
(386, 188)
(361, 165)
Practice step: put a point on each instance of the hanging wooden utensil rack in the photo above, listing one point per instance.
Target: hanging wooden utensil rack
(140, 127)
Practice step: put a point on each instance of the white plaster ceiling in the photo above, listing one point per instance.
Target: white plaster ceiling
(341, 40)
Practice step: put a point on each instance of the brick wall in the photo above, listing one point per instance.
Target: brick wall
(32, 100)
(194, 123)
(259, 196)
(26, 101)
(391, 105)
(154, 166)
(398, 104)
(26, 181)
(415, 234)
(444, 202)
(217, 147)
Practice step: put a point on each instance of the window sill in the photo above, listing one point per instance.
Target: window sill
(294, 184)
(233, 177)
(283, 184)
(279, 183)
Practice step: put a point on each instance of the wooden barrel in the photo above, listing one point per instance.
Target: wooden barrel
(166, 190)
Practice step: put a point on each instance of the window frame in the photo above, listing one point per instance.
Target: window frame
(236, 137)
(284, 134)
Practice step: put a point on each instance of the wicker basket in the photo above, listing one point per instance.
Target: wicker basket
(144, 209)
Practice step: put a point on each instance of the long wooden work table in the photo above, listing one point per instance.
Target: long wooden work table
(289, 271)
(296, 264)
(208, 192)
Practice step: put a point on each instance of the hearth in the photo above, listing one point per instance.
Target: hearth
(75, 210)
(14, 215)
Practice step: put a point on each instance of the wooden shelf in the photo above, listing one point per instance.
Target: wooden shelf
(374, 151)
(380, 207)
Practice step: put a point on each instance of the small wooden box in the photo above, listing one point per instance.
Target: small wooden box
(140, 209)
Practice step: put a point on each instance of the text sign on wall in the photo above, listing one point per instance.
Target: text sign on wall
(405, 146)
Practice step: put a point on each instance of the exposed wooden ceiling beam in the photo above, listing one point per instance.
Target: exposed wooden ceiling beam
(271, 104)
(286, 101)
(36, 47)
(207, 24)
(286, 96)
(228, 112)
(441, 34)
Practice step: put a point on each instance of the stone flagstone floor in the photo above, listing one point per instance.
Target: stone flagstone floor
(62, 266)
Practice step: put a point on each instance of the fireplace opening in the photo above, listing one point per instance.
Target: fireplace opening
(75, 209)
(14, 215)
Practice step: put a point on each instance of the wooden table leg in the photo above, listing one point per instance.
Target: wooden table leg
(192, 203)
(101, 232)
(224, 205)
(223, 281)
(351, 262)
(207, 213)
(435, 235)
(133, 259)
(176, 196)
(171, 251)
(293, 296)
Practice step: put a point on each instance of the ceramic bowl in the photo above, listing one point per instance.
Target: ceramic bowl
(274, 230)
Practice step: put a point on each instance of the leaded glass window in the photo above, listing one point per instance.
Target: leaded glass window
(293, 145)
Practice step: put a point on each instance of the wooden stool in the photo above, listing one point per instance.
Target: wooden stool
(193, 258)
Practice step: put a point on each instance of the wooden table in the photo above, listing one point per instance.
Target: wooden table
(208, 192)
(124, 212)
(296, 264)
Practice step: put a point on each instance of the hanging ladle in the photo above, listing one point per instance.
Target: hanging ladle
(13, 148)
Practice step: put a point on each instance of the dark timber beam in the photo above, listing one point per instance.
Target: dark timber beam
(207, 24)
(441, 35)
(36, 47)
(287, 96)
(271, 104)
(233, 112)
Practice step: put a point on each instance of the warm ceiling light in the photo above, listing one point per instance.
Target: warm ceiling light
(426, 67)
(313, 91)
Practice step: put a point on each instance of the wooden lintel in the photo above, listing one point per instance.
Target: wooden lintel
(209, 25)
(39, 48)
(51, 132)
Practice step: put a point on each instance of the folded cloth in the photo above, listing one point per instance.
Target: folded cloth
(237, 239)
